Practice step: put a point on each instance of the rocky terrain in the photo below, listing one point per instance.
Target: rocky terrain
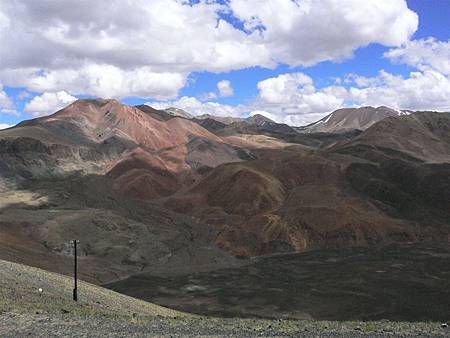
(155, 192)
(381, 185)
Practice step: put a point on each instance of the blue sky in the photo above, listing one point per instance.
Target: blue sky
(280, 73)
(434, 21)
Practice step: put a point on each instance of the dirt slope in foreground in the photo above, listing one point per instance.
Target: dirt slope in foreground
(19, 291)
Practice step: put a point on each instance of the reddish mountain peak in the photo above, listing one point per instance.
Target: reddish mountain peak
(96, 101)
(100, 119)
(91, 104)
(88, 108)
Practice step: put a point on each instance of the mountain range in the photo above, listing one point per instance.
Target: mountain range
(347, 119)
(162, 191)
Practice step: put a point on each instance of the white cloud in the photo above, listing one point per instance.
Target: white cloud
(6, 104)
(9, 111)
(99, 80)
(164, 34)
(288, 98)
(225, 88)
(48, 103)
(309, 31)
(208, 96)
(425, 54)
(293, 98)
(5, 126)
(283, 87)
(148, 48)
(420, 91)
(5, 100)
(425, 89)
(196, 107)
(135, 48)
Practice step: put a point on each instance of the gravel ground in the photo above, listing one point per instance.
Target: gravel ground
(26, 312)
(67, 325)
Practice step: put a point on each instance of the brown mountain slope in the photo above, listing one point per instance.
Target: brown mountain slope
(210, 124)
(424, 136)
(361, 192)
(87, 170)
(408, 165)
(118, 236)
(346, 119)
(294, 203)
(71, 175)
(92, 136)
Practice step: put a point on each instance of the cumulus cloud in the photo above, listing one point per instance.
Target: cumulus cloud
(9, 111)
(135, 48)
(148, 48)
(427, 88)
(48, 103)
(425, 54)
(196, 107)
(307, 32)
(165, 34)
(99, 80)
(5, 100)
(6, 104)
(288, 98)
(225, 88)
(293, 98)
(419, 91)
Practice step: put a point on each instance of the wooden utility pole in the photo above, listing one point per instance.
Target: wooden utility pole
(75, 294)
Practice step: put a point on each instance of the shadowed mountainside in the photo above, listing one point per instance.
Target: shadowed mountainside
(389, 183)
(397, 282)
(145, 190)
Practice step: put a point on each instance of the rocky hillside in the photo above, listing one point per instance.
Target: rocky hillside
(77, 174)
(347, 119)
(145, 190)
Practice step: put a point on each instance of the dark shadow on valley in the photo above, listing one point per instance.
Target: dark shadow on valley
(398, 282)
